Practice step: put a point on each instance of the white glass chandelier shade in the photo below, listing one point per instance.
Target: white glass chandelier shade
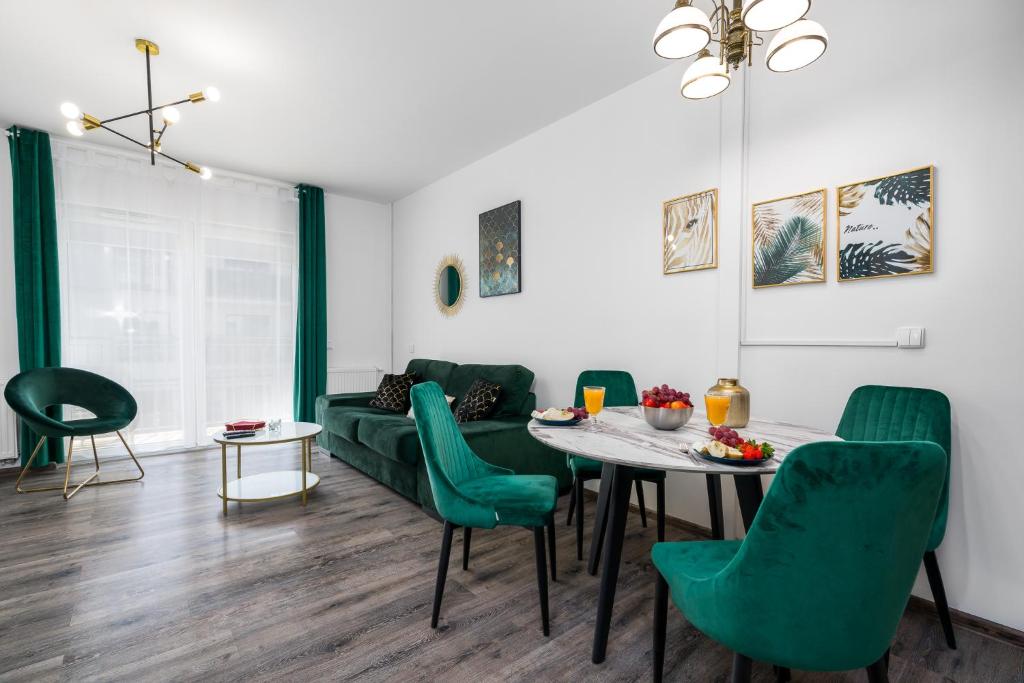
(205, 173)
(70, 110)
(683, 32)
(76, 128)
(705, 78)
(171, 115)
(796, 46)
(211, 94)
(771, 15)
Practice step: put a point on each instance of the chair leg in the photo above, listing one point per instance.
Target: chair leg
(572, 503)
(661, 510)
(579, 519)
(67, 470)
(741, 668)
(467, 534)
(542, 576)
(640, 503)
(551, 545)
(931, 567)
(660, 622)
(442, 571)
(879, 671)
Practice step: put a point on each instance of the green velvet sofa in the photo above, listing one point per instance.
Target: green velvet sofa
(386, 446)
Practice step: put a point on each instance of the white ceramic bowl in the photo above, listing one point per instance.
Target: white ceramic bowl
(667, 419)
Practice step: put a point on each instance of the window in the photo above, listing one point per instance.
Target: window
(181, 290)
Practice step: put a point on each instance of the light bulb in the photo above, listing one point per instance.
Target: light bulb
(211, 93)
(70, 110)
(171, 115)
(683, 32)
(205, 173)
(705, 78)
(796, 46)
(771, 15)
(76, 128)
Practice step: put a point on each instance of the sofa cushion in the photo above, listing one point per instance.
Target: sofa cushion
(393, 436)
(344, 420)
(431, 371)
(393, 392)
(515, 381)
(479, 401)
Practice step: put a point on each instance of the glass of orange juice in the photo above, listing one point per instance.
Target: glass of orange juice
(717, 407)
(593, 399)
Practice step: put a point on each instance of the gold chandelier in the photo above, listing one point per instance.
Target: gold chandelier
(687, 31)
(80, 122)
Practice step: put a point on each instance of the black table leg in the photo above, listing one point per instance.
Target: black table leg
(750, 494)
(600, 517)
(715, 506)
(618, 505)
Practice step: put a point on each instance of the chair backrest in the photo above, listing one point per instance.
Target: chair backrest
(825, 572)
(881, 413)
(448, 457)
(619, 387)
(31, 392)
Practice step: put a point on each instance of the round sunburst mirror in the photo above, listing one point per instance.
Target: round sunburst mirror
(449, 285)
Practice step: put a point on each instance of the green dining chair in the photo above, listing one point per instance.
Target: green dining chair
(620, 390)
(30, 393)
(822, 578)
(880, 413)
(473, 494)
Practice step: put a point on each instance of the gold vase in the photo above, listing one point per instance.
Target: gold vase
(739, 401)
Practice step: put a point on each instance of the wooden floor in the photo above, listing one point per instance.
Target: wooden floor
(148, 581)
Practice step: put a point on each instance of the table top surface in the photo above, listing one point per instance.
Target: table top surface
(623, 437)
(290, 431)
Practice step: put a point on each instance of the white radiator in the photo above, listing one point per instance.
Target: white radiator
(8, 431)
(349, 380)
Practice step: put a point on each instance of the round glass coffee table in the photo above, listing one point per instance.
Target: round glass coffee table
(269, 485)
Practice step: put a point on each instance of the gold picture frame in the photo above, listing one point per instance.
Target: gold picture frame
(692, 221)
(893, 255)
(796, 220)
(449, 307)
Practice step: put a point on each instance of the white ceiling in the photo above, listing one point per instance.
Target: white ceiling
(372, 98)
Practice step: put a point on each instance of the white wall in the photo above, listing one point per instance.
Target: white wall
(881, 100)
(358, 282)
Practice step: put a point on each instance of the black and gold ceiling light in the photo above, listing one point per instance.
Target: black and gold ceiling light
(687, 31)
(168, 114)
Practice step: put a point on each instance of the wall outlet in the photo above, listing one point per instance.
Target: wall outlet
(910, 337)
(412, 348)
(330, 345)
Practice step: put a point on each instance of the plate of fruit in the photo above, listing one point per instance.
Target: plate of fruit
(728, 447)
(559, 417)
(666, 408)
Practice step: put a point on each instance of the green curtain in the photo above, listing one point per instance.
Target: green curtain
(36, 277)
(311, 321)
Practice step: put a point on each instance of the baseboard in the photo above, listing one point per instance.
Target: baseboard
(963, 620)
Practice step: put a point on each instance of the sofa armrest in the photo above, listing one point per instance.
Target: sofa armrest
(360, 399)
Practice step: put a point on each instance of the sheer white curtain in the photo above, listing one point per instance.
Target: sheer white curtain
(181, 290)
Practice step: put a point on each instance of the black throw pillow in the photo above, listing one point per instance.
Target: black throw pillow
(393, 393)
(478, 402)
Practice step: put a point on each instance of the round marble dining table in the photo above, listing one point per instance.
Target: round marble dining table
(623, 441)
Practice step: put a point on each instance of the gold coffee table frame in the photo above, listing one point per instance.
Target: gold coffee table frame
(268, 486)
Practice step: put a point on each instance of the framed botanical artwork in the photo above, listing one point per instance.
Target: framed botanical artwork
(501, 265)
(885, 226)
(690, 232)
(788, 240)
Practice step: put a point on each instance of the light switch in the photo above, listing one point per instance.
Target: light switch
(330, 345)
(910, 337)
(412, 348)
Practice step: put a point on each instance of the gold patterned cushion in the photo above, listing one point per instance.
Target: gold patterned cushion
(393, 392)
(478, 402)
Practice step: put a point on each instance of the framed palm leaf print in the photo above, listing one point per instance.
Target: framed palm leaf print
(788, 240)
(690, 232)
(885, 226)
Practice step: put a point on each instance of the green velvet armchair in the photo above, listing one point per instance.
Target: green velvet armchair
(620, 390)
(30, 393)
(472, 493)
(881, 413)
(823, 576)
